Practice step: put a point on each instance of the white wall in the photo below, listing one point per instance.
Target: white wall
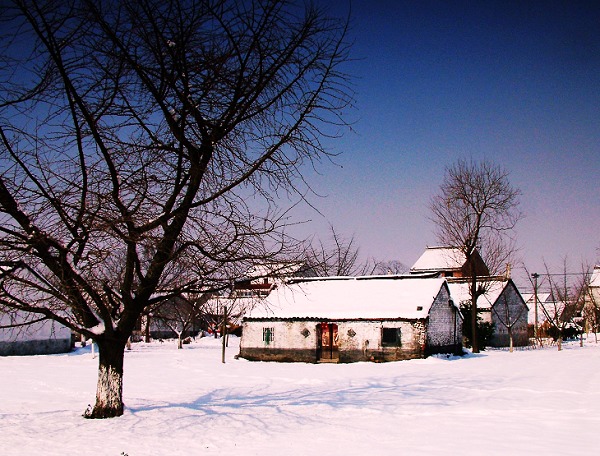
(38, 338)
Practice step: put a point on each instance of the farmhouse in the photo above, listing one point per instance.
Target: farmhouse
(348, 319)
(501, 304)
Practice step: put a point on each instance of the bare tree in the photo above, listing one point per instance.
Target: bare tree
(566, 301)
(339, 256)
(509, 315)
(181, 314)
(475, 210)
(144, 146)
(389, 267)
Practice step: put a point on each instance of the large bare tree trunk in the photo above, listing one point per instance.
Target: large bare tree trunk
(109, 392)
(127, 153)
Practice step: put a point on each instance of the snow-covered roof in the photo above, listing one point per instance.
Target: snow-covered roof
(439, 259)
(595, 279)
(460, 293)
(351, 298)
(277, 269)
(529, 298)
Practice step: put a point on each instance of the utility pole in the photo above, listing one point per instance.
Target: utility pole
(535, 276)
(224, 333)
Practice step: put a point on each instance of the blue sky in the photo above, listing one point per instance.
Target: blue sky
(517, 83)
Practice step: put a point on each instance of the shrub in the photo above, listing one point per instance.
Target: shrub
(485, 330)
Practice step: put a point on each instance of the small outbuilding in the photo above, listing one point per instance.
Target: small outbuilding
(349, 319)
(502, 305)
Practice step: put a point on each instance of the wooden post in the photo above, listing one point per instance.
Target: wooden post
(224, 333)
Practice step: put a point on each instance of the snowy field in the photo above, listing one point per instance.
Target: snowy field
(186, 402)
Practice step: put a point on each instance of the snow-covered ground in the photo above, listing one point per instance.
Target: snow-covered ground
(186, 402)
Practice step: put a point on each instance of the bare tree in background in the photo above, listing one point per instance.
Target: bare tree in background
(509, 316)
(391, 267)
(476, 209)
(339, 256)
(144, 146)
(181, 314)
(566, 301)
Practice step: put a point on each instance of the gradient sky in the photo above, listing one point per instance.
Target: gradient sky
(517, 83)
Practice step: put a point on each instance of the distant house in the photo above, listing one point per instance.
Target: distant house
(345, 319)
(448, 262)
(545, 304)
(261, 279)
(502, 305)
(595, 278)
(592, 301)
(40, 338)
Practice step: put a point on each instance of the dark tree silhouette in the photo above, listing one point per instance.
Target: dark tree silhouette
(144, 145)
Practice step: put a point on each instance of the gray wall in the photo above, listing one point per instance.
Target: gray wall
(508, 308)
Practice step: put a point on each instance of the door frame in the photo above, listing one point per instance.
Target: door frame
(327, 342)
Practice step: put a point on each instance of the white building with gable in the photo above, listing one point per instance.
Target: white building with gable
(502, 305)
(348, 319)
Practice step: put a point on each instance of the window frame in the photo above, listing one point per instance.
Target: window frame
(268, 334)
(386, 339)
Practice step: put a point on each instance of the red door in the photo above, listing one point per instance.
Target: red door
(328, 341)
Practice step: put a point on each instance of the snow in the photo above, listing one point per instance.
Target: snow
(187, 402)
(543, 300)
(460, 292)
(351, 297)
(439, 258)
(99, 329)
(595, 279)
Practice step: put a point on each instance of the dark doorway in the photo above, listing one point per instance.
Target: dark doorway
(328, 342)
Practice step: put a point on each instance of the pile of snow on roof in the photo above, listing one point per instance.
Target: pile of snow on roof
(351, 298)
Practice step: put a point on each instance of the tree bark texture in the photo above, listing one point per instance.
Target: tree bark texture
(109, 391)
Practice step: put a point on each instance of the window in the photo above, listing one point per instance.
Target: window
(268, 335)
(390, 337)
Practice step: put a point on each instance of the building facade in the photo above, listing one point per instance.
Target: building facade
(353, 319)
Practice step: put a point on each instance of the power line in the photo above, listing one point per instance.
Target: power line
(561, 273)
